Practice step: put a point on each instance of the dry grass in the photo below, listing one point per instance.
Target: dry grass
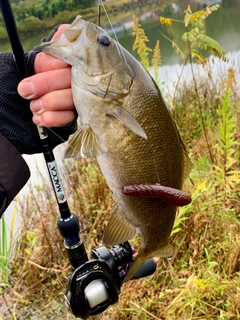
(202, 280)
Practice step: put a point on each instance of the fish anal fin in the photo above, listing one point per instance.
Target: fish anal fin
(137, 263)
(118, 229)
(165, 252)
(127, 119)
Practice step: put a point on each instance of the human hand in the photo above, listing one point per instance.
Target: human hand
(57, 112)
(50, 90)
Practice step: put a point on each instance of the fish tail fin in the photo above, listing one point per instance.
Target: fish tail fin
(166, 252)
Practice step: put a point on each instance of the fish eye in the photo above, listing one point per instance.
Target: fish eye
(104, 40)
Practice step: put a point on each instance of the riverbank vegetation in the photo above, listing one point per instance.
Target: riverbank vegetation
(39, 15)
(202, 279)
(33, 16)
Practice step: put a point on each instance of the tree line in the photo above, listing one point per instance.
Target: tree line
(35, 15)
(43, 9)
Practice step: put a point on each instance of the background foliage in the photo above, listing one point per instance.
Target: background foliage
(202, 280)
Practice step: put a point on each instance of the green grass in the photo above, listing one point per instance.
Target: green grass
(6, 244)
(4, 252)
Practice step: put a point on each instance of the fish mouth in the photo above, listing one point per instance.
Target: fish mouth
(63, 47)
(79, 45)
(75, 30)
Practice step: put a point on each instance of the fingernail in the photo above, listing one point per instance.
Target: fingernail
(26, 89)
(36, 105)
(37, 119)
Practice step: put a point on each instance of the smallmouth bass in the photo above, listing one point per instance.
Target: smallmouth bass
(127, 126)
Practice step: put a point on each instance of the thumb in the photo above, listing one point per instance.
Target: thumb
(60, 30)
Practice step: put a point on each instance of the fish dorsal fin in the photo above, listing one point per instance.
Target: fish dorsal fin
(84, 143)
(118, 229)
(187, 164)
(127, 119)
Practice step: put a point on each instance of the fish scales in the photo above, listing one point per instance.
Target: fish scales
(127, 126)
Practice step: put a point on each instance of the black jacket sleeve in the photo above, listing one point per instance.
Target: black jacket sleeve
(16, 123)
(15, 135)
(14, 173)
(18, 134)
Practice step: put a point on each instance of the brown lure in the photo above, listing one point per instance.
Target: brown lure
(166, 194)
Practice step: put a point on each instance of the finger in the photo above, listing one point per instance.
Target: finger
(60, 30)
(43, 83)
(54, 101)
(45, 62)
(51, 119)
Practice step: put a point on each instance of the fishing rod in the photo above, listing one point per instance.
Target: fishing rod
(94, 284)
(68, 224)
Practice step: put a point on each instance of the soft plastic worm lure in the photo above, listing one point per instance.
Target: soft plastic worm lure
(166, 194)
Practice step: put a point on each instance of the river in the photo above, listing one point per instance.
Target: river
(223, 25)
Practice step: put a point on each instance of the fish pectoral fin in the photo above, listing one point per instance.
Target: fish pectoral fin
(85, 144)
(127, 119)
(118, 229)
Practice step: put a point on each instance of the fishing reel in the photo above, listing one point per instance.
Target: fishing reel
(95, 284)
